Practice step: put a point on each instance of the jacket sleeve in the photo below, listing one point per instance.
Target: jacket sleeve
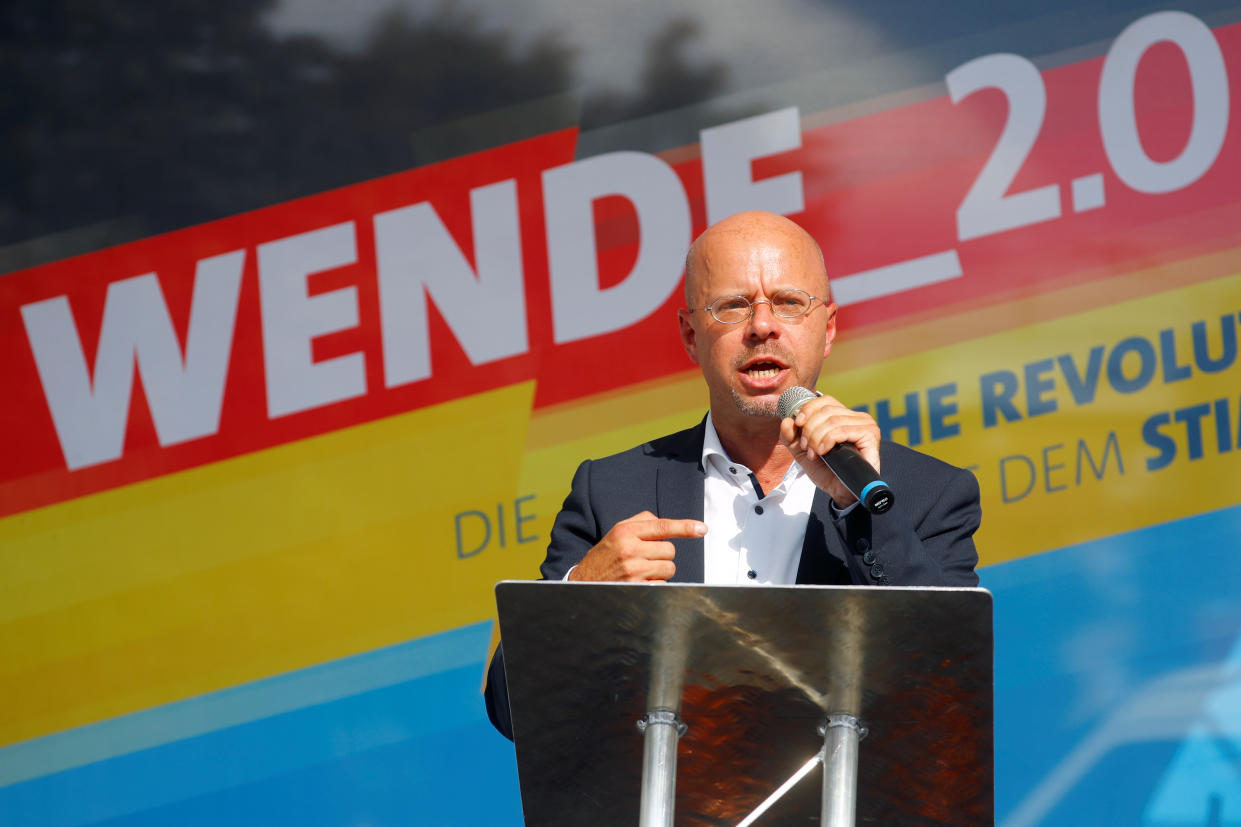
(574, 533)
(576, 529)
(495, 696)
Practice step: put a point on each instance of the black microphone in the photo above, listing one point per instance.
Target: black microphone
(858, 475)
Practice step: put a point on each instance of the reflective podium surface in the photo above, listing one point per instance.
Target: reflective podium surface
(753, 672)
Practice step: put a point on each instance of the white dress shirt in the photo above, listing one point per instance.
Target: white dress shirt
(751, 540)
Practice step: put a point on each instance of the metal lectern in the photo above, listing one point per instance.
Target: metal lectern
(638, 704)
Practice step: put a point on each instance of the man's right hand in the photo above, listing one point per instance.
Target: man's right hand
(636, 550)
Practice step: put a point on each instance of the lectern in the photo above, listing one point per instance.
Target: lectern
(709, 705)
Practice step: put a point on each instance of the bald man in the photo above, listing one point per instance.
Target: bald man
(743, 497)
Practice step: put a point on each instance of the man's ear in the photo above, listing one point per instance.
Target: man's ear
(830, 308)
(689, 339)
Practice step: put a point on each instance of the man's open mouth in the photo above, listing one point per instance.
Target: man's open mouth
(763, 370)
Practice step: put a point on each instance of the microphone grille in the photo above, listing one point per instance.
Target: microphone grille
(792, 400)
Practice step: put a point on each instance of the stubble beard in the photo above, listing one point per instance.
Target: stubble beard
(761, 408)
(765, 407)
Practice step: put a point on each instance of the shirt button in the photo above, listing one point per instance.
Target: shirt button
(758, 509)
(732, 470)
(752, 574)
(862, 544)
(869, 558)
(876, 571)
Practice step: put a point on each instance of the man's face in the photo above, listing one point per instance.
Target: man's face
(748, 365)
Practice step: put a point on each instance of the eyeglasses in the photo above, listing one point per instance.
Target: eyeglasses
(787, 304)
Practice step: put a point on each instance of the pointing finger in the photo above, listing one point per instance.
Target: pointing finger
(662, 528)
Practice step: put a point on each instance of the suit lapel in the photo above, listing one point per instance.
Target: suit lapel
(679, 495)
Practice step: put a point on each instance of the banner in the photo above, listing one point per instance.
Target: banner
(259, 475)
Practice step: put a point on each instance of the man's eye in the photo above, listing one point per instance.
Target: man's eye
(786, 301)
(732, 305)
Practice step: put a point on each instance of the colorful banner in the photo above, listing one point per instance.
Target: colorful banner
(259, 475)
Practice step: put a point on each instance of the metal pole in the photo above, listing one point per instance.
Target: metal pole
(662, 729)
(661, 724)
(841, 735)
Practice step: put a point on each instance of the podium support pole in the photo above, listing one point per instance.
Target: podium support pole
(841, 735)
(662, 729)
(662, 726)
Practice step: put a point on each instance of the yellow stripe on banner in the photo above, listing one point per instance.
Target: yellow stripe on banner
(256, 565)
(564, 436)
(1077, 470)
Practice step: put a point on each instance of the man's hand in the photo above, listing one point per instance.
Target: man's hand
(636, 550)
(821, 424)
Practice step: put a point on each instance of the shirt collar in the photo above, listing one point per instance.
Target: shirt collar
(712, 447)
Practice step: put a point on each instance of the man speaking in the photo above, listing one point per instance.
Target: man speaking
(745, 496)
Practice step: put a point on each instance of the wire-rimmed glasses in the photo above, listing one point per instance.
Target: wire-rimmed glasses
(787, 304)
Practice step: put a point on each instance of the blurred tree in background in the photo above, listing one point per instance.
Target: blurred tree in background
(156, 116)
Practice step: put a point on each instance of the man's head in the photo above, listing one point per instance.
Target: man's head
(748, 365)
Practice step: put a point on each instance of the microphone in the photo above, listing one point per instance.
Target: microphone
(858, 475)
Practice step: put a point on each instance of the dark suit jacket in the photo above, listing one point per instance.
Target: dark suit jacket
(925, 540)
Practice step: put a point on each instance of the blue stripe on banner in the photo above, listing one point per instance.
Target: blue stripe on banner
(1111, 656)
(460, 778)
(392, 729)
(237, 705)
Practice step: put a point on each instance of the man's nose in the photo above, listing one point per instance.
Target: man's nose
(763, 322)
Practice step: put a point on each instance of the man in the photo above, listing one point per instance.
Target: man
(744, 497)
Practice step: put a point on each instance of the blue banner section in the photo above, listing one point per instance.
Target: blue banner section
(1118, 679)
(397, 736)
